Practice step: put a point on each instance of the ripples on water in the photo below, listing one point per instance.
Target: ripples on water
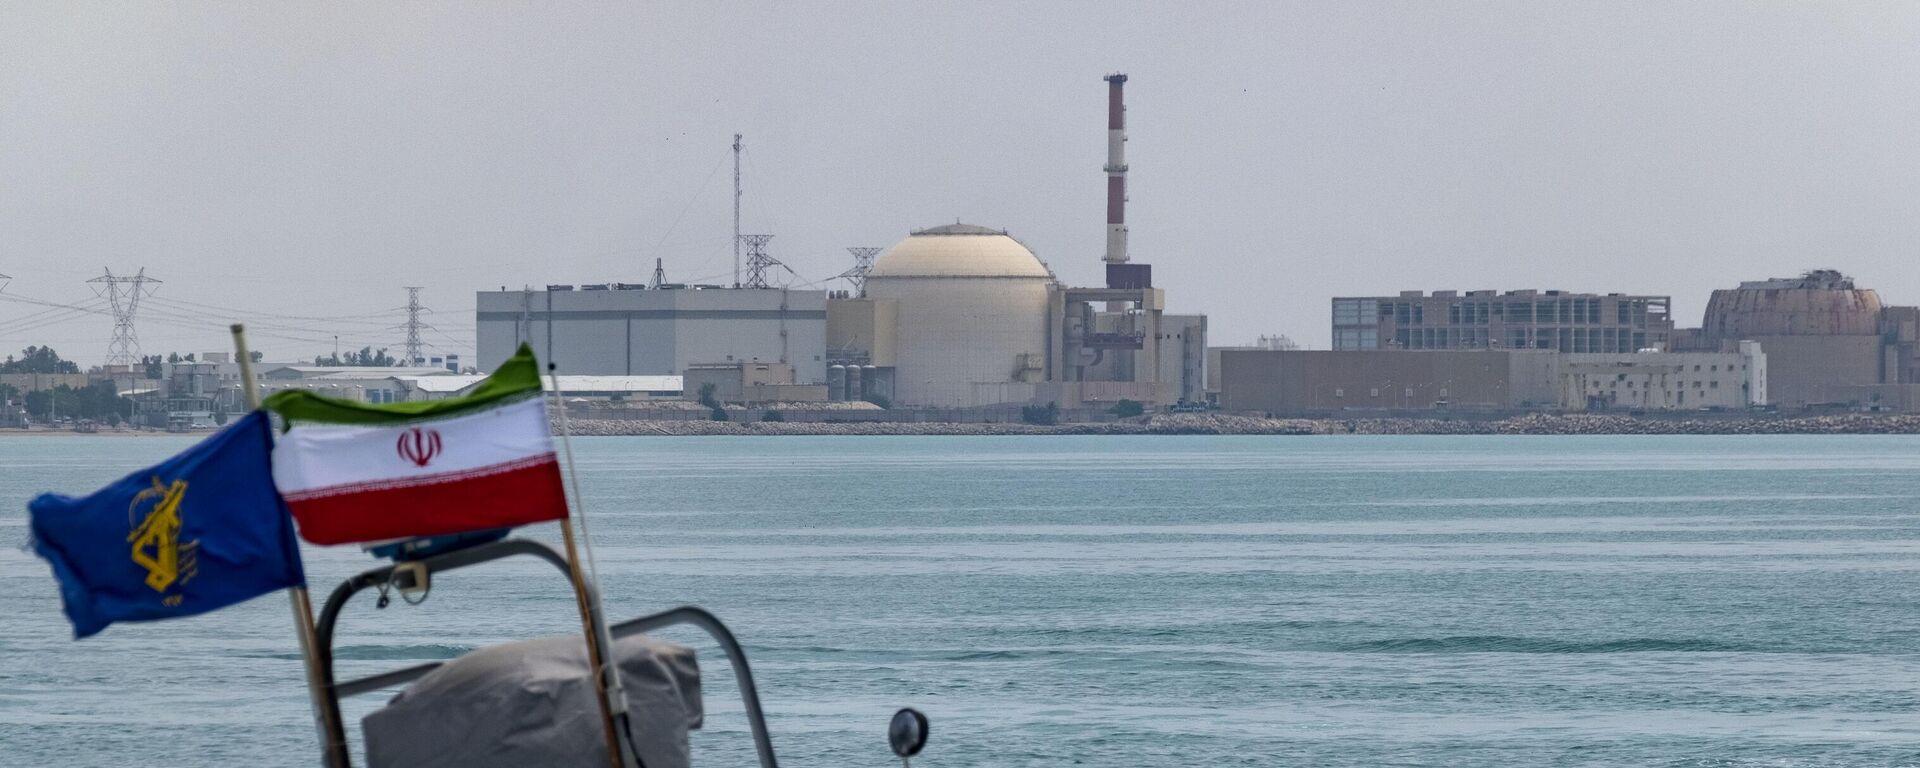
(1345, 601)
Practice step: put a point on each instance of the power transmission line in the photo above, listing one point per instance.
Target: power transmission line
(124, 294)
(758, 261)
(413, 344)
(862, 264)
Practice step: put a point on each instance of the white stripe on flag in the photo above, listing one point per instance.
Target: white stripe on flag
(317, 457)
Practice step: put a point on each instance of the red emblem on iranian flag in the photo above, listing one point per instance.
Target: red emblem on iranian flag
(419, 445)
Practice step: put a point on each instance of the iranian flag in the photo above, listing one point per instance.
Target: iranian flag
(352, 471)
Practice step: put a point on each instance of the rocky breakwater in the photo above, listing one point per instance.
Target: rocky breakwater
(1177, 424)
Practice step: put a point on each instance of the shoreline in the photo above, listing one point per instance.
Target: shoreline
(1204, 424)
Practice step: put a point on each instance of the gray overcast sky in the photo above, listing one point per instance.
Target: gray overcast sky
(310, 160)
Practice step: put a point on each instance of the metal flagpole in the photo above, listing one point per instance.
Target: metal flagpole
(334, 754)
(606, 677)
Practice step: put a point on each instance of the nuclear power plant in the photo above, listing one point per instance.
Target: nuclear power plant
(962, 316)
(965, 320)
(952, 316)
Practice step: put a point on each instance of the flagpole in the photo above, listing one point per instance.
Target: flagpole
(331, 736)
(606, 679)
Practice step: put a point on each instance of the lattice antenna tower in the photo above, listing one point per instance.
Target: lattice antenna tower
(862, 264)
(659, 275)
(123, 293)
(758, 261)
(415, 348)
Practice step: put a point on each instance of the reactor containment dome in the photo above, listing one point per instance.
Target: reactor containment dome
(972, 322)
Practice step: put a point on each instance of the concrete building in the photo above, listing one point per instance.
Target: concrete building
(1298, 382)
(35, 382)
(751, 383)
(1654, 381)
(1547, 320)
(1828, 342)
(615, 388)
(1320, 381)
(628, 330)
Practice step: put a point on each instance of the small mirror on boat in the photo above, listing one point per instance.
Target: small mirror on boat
(908, 732)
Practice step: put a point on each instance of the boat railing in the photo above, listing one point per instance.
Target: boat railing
(404, 576)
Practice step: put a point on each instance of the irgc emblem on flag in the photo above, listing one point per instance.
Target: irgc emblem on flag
(358, 472)
(200, 531)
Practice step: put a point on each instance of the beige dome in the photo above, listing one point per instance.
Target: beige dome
(958, 250)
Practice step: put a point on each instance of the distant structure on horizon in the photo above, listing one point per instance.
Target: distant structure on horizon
(623, 329)
(1830, 343)
(956, 316)
(1546, 320)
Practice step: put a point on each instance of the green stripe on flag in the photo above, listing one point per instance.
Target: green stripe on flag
(518, 376)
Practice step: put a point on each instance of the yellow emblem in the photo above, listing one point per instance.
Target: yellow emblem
(156, 538)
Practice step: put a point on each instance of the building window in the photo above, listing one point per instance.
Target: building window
(1373, 392)
(1339, 392)
(1713, 385)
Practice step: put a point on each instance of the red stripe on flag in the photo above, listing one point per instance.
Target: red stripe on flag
(524, 494)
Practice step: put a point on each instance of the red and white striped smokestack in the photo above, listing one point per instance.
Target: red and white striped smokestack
(1116, 170)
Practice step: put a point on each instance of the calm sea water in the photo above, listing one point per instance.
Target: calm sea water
(1342, 601)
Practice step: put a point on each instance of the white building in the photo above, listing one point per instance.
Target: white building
(1665, 380)
(366, 384)
(630, 330)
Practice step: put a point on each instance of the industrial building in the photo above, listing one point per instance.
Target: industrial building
(1320, 381)
(953, 316)
(1549, 320)
(1303, 382)
(1657, 381)
(632, 330)
(1828, 343)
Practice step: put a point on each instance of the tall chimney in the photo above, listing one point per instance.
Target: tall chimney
(1116, 170)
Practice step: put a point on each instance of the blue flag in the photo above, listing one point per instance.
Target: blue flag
(200, 531)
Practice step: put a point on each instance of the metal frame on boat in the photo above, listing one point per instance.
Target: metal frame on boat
(404, 575)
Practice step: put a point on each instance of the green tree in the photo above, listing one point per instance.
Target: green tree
(1127, 409)
(97, 401)
(38, 360)
(367, 356)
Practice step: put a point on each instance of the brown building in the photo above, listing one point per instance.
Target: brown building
(1307, 381)
(1548, 320)
(1827, 342)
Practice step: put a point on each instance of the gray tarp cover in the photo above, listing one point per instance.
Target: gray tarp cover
(531, 704)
